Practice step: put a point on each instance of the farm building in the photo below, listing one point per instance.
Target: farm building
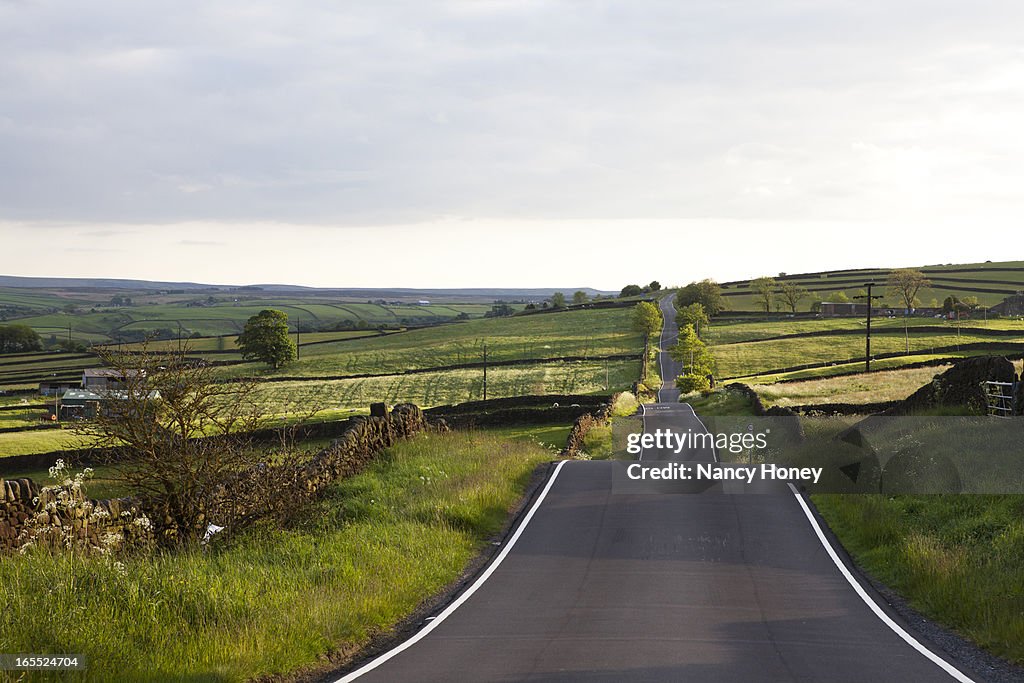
(83, 404)
(1011, 305)
(103, 378)
(56, 387)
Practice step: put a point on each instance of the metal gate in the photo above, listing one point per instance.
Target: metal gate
(999, 397)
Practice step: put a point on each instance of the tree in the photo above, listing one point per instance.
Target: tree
(647, 321)
(693, 353)
(631, 290)
(689, 383)
(655, 286)
(792, 294)
(707, 293)
(839, 297)
(693, 315)
(265, 338)
(178, 438)
(906, 283)
(764, 292)
(558, 300)
(579, 297)
(646, 318)
(18, 339)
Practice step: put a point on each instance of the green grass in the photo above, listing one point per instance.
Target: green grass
(957, 559)
(733, 330)
(365, 556)
(454, 386)
(887, 385)
(38, 441)
(96, 321)
(720, 403)
(748, 358)
(738, 295)
(571, 333)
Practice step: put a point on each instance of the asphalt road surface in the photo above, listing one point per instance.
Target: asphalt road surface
(600, 586)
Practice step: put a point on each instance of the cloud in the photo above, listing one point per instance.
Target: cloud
(403, 112)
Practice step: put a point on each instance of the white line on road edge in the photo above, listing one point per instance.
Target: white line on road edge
(371, 665)
(714, 451)
(899, 630)
(643, 428)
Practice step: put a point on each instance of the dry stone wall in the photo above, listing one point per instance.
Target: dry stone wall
(353, 450)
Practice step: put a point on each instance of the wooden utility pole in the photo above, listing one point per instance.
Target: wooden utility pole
(485, 371)
(867, 340)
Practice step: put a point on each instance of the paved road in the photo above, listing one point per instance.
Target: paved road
(668, 369)
(599, 586)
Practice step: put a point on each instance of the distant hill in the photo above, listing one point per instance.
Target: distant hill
(368, 292)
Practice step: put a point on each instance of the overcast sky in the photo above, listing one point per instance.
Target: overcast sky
(506, 142)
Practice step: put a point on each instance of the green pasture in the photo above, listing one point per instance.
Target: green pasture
(588, 332)
(451, 386)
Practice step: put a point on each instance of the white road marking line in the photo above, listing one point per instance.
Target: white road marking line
(643, 430)
(879, 612)
(377, 661)
(714, 451)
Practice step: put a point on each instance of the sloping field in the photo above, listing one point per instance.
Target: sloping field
(990, 282)
(452, 386)
(886, 385)
(590, 333)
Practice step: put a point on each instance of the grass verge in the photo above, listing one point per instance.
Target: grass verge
(366, 554)
(957, 559)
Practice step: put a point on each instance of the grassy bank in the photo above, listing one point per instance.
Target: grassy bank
(957, 559)
(273, 600)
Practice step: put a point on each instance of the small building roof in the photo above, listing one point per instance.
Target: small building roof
(84, 395)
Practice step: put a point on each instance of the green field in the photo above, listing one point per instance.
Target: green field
(581, 333)
(885, 385)
(991, 276)
(452, 386)
(749, 358)
(89, 317)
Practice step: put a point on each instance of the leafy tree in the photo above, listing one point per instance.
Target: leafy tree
(839, 297)
(647, 321)
(265, 338)
(18, 339)
(579, 297)
(707, 293)
(906, 283)
(631, 290)
(693, 315)
(792, 294)
(764, 292)
(690, 382)
(558, 300)
(693, 353)
(655, 286)
(646, 318)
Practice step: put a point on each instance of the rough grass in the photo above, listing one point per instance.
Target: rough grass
(364, 557)
(890, 385)
(958, 559)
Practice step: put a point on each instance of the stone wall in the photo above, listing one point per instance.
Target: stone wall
(87, 522)
(242, 499)
(960, 386)
(582, 425)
